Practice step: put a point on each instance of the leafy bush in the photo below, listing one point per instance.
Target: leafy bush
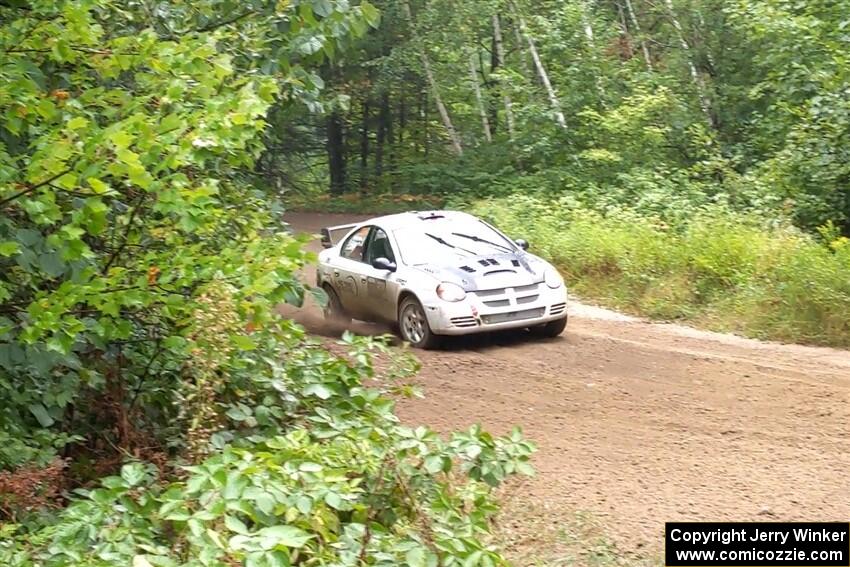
(729, 271)
(307, 466)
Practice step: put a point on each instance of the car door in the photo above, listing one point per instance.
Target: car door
(381, 285)
(348, 273)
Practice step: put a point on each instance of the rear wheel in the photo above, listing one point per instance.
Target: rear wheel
(334, 311)
(551, 329)
(413, 325)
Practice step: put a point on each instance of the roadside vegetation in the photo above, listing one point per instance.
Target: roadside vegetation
(721, 270)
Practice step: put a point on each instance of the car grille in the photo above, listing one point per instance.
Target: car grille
(515, 316)
(557, 309)
(464, 322)
(505, 297)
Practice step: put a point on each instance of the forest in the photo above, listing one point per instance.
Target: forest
(682, 159)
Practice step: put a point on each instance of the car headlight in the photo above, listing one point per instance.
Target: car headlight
(553, 278)
(448, 291)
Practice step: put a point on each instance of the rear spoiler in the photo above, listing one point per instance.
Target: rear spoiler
(327, 238)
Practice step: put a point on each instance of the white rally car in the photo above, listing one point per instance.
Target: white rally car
(438, 273)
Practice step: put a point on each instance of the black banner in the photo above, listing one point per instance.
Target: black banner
(757, 544)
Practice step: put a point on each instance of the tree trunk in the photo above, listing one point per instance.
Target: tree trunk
(402, 117)
(500, 61)
(482, 108)
(364, 146)
(541, 71)
(633, 17)
(703, 28)
(522, 57)
(591, 46)
(494, 94)
(384, 132)
(432, 82)
(624, 32)
(336, 153)
(699, 84)
(423, 118)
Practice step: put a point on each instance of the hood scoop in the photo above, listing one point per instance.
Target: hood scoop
(493, 271)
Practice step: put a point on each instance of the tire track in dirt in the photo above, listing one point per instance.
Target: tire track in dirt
(640, 423)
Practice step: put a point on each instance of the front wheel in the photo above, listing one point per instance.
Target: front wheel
(413, 325)
(551, 329)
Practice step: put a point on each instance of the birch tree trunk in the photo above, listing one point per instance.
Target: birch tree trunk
(591, 44)
(541, 71)
(432, 83)
(522, 57)
(695, 76)
(500, 61)
(633, 17)
(708, 54)
(476, 87)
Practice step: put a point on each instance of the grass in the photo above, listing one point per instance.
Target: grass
(719, 270)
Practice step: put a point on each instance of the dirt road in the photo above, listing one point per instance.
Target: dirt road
(640, 423)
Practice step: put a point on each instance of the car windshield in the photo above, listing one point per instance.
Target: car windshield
(446, 241)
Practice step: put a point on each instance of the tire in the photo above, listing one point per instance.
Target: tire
(551, 329)
(413, 325)
(334, 311)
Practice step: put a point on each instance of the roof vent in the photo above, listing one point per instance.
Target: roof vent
(431, 216)
(467, 269)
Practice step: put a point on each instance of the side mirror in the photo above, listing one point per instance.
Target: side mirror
(384, 264)
(522, 243)
(326, 238)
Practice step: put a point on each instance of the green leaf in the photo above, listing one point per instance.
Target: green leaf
(319, 390)
(98, 186)
(525, 468)
(77, 123)
(8, 248)
(323, 8)
(334, 500)
(287, 536)
(310, 467)
(372, 15)
(234, 524)
(133, 473)
(121, 139)
(416, 557)
(434, 464)
(40, 413)
(243, 342)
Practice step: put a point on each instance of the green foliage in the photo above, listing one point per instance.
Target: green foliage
(311, 468)
(125, 135)
(725, 270)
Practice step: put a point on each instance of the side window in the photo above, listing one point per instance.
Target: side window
(379, 247)
(353, 247)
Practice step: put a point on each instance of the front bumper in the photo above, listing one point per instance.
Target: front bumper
(509, 308)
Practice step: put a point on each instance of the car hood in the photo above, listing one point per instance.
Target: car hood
(489, 271)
